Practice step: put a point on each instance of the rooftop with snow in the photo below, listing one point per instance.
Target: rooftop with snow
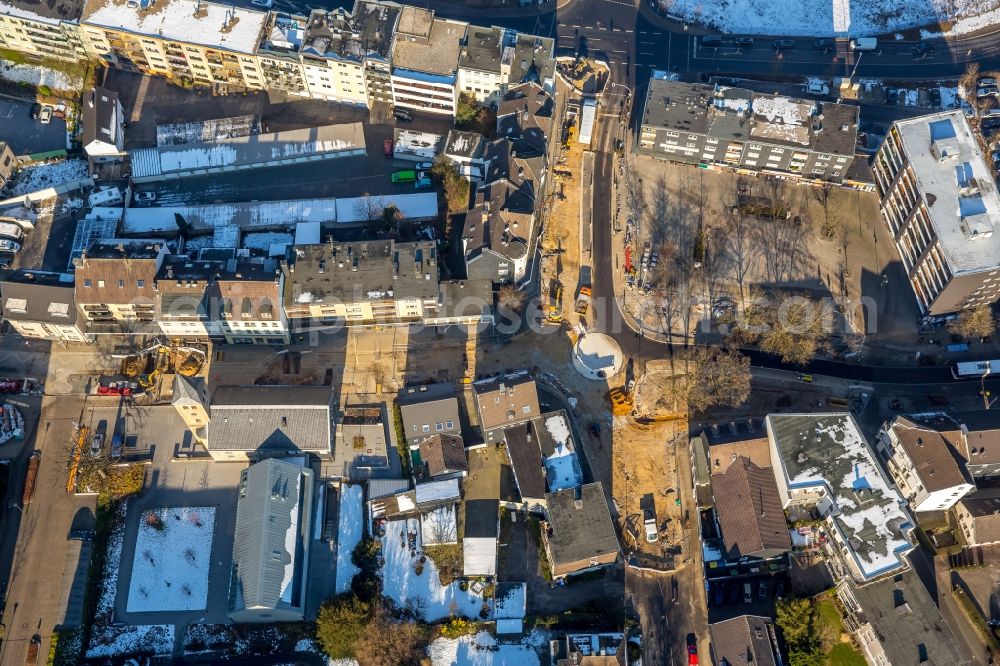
(45, 12)
(955, 183)
(194, 21)
(828, 452)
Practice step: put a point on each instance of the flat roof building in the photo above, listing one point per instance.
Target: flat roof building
(425, 58)
(822, 462)
(504, 401)
(579, 534)
(697, 123)
(40, 304)
(941, 205)
(745, 640)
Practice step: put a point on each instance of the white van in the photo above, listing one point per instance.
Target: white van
(111, 196)
(747, 593)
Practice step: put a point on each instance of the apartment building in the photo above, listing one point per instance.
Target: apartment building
(731, 127)
(103, 128)
(823, 463)
(425, 56)
(114, 281)
(187, 304)
(189, 41)
(925, 466)
(362, 282)
(39, 305)
(978, 517)
(941, 206)
(42, 29)
(249, 297)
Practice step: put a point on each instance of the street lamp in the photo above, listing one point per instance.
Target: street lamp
(987, 403)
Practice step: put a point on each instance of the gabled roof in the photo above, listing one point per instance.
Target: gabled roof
(444, 454)
(934, 459)
(189, 390)
(248, 418)
(749, 510)
(976, 434)
(505, 400)
(100, 118)
(271, 514)
(746, 640)
(526, 459)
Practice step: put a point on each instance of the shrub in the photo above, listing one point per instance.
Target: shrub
(341, 622)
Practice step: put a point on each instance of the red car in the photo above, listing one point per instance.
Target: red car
(387, 147)
(692, 645)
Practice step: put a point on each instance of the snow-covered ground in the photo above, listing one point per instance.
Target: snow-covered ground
(170, 568)
(110, 641)
(424, 593)
(350, 529)
(109, 585)
(38, 76)
(481, 650)
(833, 17)
(439, 526)
(265, 239)
(41, 176)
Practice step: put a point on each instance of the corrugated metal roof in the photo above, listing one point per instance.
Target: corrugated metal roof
(438, 491)
(247, 418)
(145, 162)
(273, 510)
(378, 488)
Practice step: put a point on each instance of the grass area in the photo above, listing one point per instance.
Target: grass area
(828, 617)
(401, 447)
(449, 561)
(844, 654)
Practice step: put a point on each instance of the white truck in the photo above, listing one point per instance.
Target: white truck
(864, 44)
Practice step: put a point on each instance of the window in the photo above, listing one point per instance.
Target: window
(438, 427)
(450, 424)
(526, 409)
(427, 427)
(121, 284)
(100, 284)
(86, 282)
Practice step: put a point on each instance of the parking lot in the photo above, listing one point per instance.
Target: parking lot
(26, 136)
(729, 598)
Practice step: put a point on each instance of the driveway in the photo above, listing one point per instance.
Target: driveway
(26, 136)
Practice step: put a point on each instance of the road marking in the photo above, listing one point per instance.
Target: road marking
(651, 42)
(649, 53)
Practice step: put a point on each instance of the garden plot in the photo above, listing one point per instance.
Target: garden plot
(172, 558)
(349, 532)
(112, 641)
(481, 650)
(36, 75)
(415, 584)
(52, 174)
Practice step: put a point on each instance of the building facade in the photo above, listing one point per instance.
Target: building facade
(696, 123)
(941, 206)
(978, 518)
(424, 75)
(114, 282)
(40, 305)
(43, 29)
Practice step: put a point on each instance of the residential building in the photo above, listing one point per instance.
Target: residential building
(823, 464)
(40, 305)
(738, 438)
(745, 640)
(466, 150)
(941, 205)
(504, 401)
(749, 511)
(279, 55)
(442, 456)
(361, 282)
(481, 66)
(254, 422)
(719, 126)
(103, 128)
(593, 649)
(463, 302)
(8, 163)
(526, 466)
(249, 303)
(271, 543)
(978, 517)
(194, 42)
(479, 545)
(115, 282)
(359, 448)
(191, 401)
(924, 465)
(499, 227)
(42, 29)
(896, 622)
(579, 535)
(975, 436)
(428, 410)
(187, 298)
(543, 458)
(425, 58)
(396, 500)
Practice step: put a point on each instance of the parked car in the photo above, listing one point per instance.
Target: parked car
(266, 4)
(145, 197)
(387, 147)
(692, 650)
(423, 183)
(923, 49)
(405, 176)
(45, 117)
(36, 109)
(743, 41)
(782, 44)
(762, 590)
(720, 594)
(117, 446)
(985, 82)
(425, 165)
(711, 40)
(747, 593)
(403, 115)
(96, 444)
(823, 44)
(817, 88)
(982, 91)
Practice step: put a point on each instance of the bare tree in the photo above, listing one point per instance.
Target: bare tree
(743, 252)
(716, 377)
(510, 298)
(975, 323)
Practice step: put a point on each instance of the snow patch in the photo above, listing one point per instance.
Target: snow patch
(49, 174)
(36, 75)
(110, 641)
(172, 558)
(349, 533)
(480, 650)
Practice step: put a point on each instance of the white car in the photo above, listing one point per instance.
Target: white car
(425, 165)
(145, 197)
(45, 117)
(96, 444)
(266, 4)
(817, 88)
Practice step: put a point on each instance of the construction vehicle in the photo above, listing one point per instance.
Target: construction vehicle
(583, 300)
(554, 313)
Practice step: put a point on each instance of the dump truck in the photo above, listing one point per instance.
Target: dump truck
(583, 300)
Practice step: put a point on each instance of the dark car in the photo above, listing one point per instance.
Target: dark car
(743, 41)
(936, 96)
(922, 49)
(720, 594)
(782, 44)
(711, 40)
(36, 110)
(734, 593)
(823, 44)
